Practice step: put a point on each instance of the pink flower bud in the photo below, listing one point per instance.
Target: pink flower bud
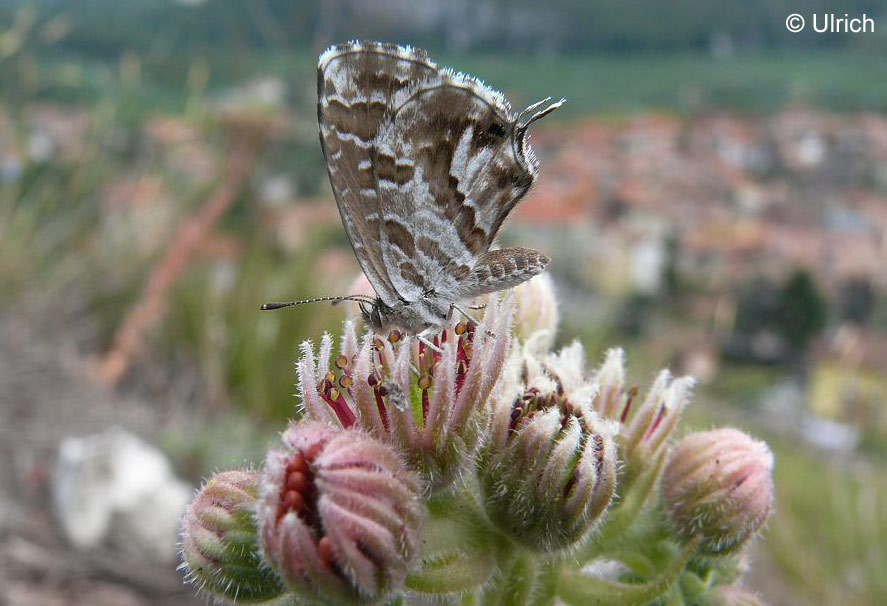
(718, 486)
(220, 543)
(340, 514)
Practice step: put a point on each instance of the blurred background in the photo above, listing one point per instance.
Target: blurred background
(713, 196)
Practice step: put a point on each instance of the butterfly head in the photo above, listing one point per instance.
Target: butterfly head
(411, 317)
(372, 314)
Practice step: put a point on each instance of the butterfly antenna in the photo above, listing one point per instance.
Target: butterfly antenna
(357, 298)
(538, 114)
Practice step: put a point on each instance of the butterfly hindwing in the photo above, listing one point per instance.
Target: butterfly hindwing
(450, 162)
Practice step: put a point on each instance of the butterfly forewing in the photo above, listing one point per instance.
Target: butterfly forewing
(425, 165)
(355, 86)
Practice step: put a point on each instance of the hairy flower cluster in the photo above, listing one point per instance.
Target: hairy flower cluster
(485, 467)
(431, 403)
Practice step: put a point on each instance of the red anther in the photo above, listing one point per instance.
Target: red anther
(380, 405)
(632, 392)
(461, 373)
(296, 463)
(333, 397)
(460, 328)
(569, 485)
(373, 380)
(293, 501)
(346, 381)
(394, 336)
(297, 481)
(659, 416)
(312, 451)
(325, 551)
(341, 361)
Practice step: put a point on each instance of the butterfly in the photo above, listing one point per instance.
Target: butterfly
(425, 165)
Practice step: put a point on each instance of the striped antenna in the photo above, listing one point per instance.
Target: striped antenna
(357, 298)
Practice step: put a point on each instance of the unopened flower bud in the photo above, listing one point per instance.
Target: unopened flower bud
(536, 310)
(220, 545)
(610, 379)
(646, 434)
(340, 514)
(549, 471)
(717, 486)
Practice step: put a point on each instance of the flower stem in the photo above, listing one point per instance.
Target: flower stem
(514, 586)
(578, 589)
(621, 517)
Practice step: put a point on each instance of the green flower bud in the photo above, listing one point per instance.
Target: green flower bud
(718, 486)
(645, 436)
(549, 471)
(220, 549)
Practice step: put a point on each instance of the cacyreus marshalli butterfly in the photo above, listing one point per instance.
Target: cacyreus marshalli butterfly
(425, 165)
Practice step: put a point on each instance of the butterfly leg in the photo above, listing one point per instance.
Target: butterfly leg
(488, 332)
(464, 313)
(423, 338)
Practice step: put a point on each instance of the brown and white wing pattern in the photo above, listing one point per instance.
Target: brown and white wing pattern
(453, 160)
(356, 84)
(425, 165)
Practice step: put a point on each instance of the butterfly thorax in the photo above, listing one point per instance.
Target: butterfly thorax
(410, 317)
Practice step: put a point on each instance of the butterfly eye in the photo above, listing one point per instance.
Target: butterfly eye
(496, 130)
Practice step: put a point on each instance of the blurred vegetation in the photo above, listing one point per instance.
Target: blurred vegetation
(165, 28)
